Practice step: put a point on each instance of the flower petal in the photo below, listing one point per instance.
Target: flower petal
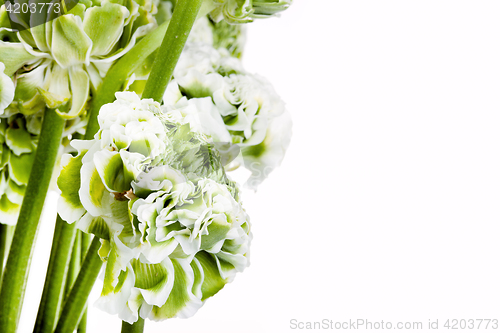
(104, 26)
(14, 56)
(70, 45)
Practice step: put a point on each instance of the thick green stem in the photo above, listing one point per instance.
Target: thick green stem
(185, 13)
(53, 291)
(76, 301)
(120, 72)
(3, 246)
(50, 268)
(74, 264)
(137, 327)
(86, 239)
(82, 325)
(18, 263)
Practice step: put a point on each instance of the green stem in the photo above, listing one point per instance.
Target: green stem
(3, 246)
(50, 268)
(17, 268)
(86, 239)
(53, 291)
(74, 264)
(77, 299)
(82, 326)
(137, 327)
(120, 72)
(183, 18)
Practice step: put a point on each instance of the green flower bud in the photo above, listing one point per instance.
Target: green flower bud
(244, 11)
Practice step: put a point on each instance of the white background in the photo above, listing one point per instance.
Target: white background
(387, 204)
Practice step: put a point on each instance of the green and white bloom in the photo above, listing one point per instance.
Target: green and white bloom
(244, 107)
(245, 11)
(173, 228)
(59, 63)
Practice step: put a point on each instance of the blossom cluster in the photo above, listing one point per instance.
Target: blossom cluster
(154, 184)
(48, 67)
(155, 191)
(245, 109)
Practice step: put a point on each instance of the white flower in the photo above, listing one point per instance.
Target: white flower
(174, 231)
(246, 109)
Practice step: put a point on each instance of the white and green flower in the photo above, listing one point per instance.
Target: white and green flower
(59, 63)
(246, 110)
(172, 225)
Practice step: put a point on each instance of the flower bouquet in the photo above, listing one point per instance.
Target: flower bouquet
(137, 113)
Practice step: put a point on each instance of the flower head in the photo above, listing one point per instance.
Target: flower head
(173, 228)
(57, 64)
(246, 110)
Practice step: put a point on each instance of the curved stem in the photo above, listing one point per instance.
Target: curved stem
(120, 72)
(137, 327)
(17, 268)
(185, 13)
(74, 307)
(53, 291)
